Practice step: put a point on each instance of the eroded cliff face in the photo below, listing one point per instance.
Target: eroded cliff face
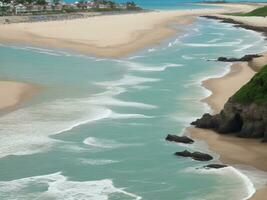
(244, 120)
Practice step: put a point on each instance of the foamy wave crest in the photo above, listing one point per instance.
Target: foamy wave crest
(96, 161)
(135, 57)
(187, 57)
(214, 40)
(258, 177)
(141, 67)
(110, 101)
(223, 44)
(219, 34)
(198, 79)
(151, 50)
(241, 181)
(128, 80)
(57, 186)
(244, 47)
(129, 116)
(176, 41)
(104, 143)
(27, 130)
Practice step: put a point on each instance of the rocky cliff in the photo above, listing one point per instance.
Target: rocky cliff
(245, 113)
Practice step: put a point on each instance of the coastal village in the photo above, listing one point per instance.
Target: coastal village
(37, 7)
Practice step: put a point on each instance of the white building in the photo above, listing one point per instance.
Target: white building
(121, 6)
(104, 6)
(20, 9)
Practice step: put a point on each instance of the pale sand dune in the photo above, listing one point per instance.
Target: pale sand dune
(108, 36)
(13, 93)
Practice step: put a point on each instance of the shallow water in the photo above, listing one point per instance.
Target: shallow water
(97, 129)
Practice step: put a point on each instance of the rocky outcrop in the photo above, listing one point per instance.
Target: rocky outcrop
(195, 155)
(215, 166)
(179, 139)
(246, 58)
(244, 120)
(239, 24)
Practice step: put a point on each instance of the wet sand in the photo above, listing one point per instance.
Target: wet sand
(14, 93)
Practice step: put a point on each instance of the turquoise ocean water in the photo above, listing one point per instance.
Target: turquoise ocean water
(171, 4)
(97, 129)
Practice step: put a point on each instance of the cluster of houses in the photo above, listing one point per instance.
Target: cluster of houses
(48, 6)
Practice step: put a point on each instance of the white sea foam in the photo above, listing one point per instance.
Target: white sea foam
(176, 41)
(242, 182)
(142, 67)
(101, 143)
(105, 143)
(96, 161)
(219, 34)
(223, 44)
(186, 57)
(27, 130)
(135, 57)
(214, 40)
(151, 50)
(58, 186)
(258, 177)
(198, 79)
(110, 101)
(128, 80)
(129, 116)
(244, 47)
(49, 53)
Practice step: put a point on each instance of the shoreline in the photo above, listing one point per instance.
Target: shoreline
(249, 152)
(231, 149)
(15, 93)
(109, 36)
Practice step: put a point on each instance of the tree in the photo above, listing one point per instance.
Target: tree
(56, 2)
(41, 2)
(131, 5)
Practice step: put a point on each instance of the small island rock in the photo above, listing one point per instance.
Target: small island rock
(195, 155)
(179, 139)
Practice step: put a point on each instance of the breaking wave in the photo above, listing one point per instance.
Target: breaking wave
(58, 186)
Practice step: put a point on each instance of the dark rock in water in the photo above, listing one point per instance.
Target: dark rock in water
(245, 58)
(179, 139)
(195, 155)
(215, 166)
(184, 153)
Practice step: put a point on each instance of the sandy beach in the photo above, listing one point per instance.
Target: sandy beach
(14, 93)
(233, 150)
(106, 36)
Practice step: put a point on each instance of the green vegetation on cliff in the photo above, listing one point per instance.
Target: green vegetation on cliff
(261, 12)
(255, 91)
